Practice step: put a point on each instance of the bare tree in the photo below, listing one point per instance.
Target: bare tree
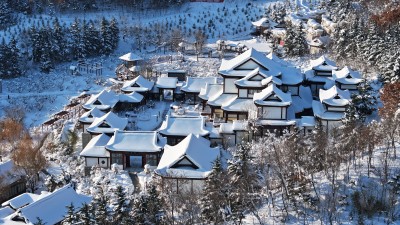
(200, 41)
(29, 159)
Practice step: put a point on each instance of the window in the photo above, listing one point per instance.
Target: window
(116, 158)
(251, 93)
(151, 159)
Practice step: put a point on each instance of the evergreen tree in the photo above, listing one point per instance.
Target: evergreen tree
(114, 32)
(295, 42)
(140, 210)
(70, 218)
(85, 215)
(101, 213)
(58, 43)
(13, 58)
(154, 206)
(46, 60)
(243, 182)
(120, 210)
(106, 37)
(75, 40)
(213, 202)
(39, 222)
(362, 104)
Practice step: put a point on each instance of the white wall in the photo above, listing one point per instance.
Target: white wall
(249, 65)
(94, 161)
(274, 112)
(229, 84)
(242, 93)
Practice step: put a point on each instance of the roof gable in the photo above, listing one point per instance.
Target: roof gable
(185, 162)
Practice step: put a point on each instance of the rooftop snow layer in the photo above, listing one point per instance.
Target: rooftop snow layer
(194, 148)
(261, 97)
(107, 124)
(195, 84)
(96, 147)
(88, 117)
(139, 84)
(135, 141)
(183, 126)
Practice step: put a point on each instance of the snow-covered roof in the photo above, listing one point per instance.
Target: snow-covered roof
(278, 60)
(5, 211)
(183, 126)
(303, 101)
(274, 80)
(320, 112)
(291, 76)
(238, 105)
(134, 97)
(104, 100)
(253, 78)
(230, 128)
(167, 82)
(282, 99)
(108, 123)
(130, 57)
(139, 84)
(193, 149)
(263, 22)
(219, 100)
(24, 200)
(323, 64)
(96, 147)
(307, 121)
(135, 141)
(347, 76)
(277, 122)
(335, 96)
(52, 208)
(88, 117)
(195, 84)
(210, 91)
(310, 76)
(232, 66)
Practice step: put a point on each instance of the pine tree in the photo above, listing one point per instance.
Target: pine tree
(70, 218)
(213, 202)
(58, 43)
(243, 182)
(114, 32)
(39, 222)
(106, 37)
(13, 58)
(101, 213)
(75, 40)
(295, 43)
(85, 215)
(120, 210)
(140, 210)
(154, 206)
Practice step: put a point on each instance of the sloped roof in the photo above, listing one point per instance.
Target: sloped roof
(143, 83)
(247, 82)
(228, 67)
(24, 199)
(167, 82)
(278, 60)
(334, 96)
(320, 112)
(303, 101)
(134, 97)
(291, 76)
(238, 105)
(261, 97)
(347, 76)
(210, 91)
(219, 100)
(230, 128)
(195, 148)
(115, 123)
(195, 84)
(96, 147)
(274, 80)
(263, 22)
(135, 141)
(307, 121)
(107, 98)
(53, 207)
(88, 117)
(130, 57)
(323, 64)
(183, 126)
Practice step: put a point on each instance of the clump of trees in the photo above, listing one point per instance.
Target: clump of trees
(58, 43)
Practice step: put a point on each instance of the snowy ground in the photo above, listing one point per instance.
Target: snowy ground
(346, 186)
